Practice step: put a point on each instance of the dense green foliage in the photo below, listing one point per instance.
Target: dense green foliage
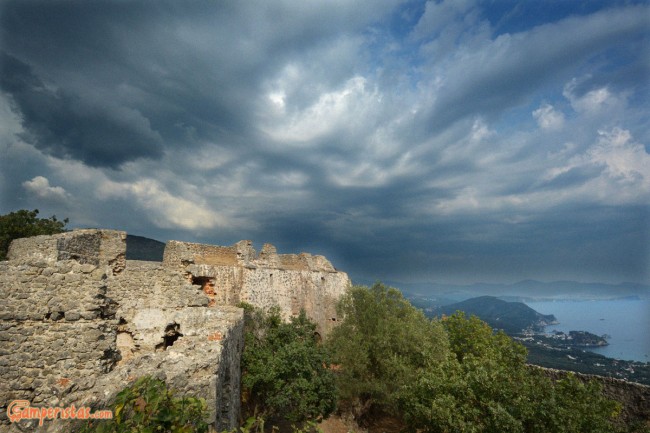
(433, 376)
(454, 375)
(149, 406)
(383, 344)
(285, 372)
(487, 387)
(25, 223)
(474, 339)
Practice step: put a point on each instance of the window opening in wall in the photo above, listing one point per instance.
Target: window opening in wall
(207, 286)
(172, 333)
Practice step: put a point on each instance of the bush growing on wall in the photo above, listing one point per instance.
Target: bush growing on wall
(149, 406)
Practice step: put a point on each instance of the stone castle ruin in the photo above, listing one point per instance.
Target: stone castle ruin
(79, 322)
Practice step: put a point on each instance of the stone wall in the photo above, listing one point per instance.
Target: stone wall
(290, 281)
(78, 322)
(180, 254)
(197, 351)
(97, 247)
(56, 333)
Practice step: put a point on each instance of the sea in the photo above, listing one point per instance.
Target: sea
(625, 322)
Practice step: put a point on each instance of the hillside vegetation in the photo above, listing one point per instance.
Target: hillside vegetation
(388, 360)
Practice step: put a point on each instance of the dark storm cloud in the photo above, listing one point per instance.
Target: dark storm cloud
(190, 72)
(124, 86)
(65, 126)
(404, 140)
(549, 246)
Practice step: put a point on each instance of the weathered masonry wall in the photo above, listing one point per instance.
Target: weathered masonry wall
(54, 342)
(78, 322)
(230, 275)
(102, 248)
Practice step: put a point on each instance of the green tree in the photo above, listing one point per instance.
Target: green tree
(382, 344)
(488, 387)
(25, 223)
(285, 372)
(472, 338)
(582, 407)
(149, 406)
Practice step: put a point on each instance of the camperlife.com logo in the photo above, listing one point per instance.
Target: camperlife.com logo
(22, 409)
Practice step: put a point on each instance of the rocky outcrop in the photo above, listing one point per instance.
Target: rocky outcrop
(78, 322)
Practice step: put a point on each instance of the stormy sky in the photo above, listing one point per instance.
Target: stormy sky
(444, 141)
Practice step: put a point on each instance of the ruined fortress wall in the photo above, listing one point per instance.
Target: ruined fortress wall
(56, 331)
(292, 282)
(54, 339)
(292, 290)
(202, 359)
(165, 325)
(179, 254)
(78, 322)
(102, 248)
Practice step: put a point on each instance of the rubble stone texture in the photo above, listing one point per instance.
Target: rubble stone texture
(78, 322)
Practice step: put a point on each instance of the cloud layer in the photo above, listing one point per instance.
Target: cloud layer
(443, 141)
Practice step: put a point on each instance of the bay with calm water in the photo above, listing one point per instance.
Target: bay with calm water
(627, 322)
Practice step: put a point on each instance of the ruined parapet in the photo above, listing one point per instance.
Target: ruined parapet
(100, 248)
(305, 262)
(179, 254)
(197, 351)
(78, 323)
(293, 282)
(268, 257)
